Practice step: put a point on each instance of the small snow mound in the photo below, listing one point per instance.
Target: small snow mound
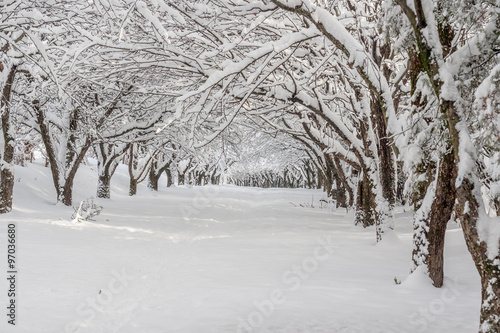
(419, 279)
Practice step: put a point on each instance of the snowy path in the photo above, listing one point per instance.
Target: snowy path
(222, 259)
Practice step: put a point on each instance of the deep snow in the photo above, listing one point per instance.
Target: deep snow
(220, 259)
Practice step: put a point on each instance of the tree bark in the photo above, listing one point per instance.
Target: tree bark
(73, 159)
(66, 196)
(441, 211)
(365, 203)
(47, 142)
(385, 154)
(430, 226)
(104, 186)
(154, 175)
(132, 188)
(467, 207)
(347, 187)
(7, 155)
(104, 177)
(153, 180)
(180, 178)
(108, 154)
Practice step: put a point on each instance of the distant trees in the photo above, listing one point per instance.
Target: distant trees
(270, 160)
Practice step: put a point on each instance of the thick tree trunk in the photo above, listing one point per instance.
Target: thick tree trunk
(6, 188)
(467, 210)
(490, 296)
(441, 211)
(467, 207)
(431, 221)
(7, 155)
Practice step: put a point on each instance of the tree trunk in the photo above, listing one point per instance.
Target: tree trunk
(346, 186)
(107, 163)
(441, 211)
(400, 184)
(154, 177)
(67, 194)
(467, 207)
(385, 154)
(320, 180)
(340, 192)
(105, 172)
(430, 223)
(132, 190)
(180, 178)
(104, 186)
(365, 202)
(153, 182)
(73, 158)
(467, 210)
(6, 187)
(7, 155)
(199, 178)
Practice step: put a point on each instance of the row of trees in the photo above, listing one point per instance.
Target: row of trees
(380, 101)
(52, 101)
(376, 89)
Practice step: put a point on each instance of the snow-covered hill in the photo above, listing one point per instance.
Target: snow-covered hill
(220, 259)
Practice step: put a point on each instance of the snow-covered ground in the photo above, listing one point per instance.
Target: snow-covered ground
(220, 259)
